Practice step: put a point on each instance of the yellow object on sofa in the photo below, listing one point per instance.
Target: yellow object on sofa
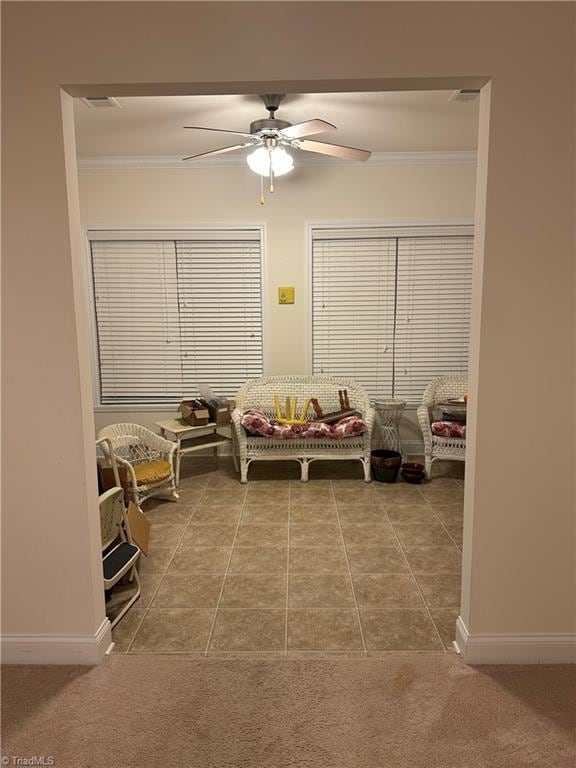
(152, 471)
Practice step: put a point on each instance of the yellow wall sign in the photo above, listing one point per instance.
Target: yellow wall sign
(285, 295)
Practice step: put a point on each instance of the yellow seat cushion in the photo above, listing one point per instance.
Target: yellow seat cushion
(152, 471)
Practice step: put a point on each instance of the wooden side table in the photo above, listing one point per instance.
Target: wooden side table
(190, 439)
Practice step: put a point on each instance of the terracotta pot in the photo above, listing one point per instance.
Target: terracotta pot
(412, 472)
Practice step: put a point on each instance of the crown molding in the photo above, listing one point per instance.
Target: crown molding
(226, 161)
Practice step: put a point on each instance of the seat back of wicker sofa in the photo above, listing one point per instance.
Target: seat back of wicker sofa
(260, 393)
(442, 388)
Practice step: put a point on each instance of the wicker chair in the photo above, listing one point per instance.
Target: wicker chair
(143, 453)
(259, 394)
(435, 447)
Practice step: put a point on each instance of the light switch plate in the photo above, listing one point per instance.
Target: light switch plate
(286, 295)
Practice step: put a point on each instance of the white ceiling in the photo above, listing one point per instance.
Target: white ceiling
(417, 121)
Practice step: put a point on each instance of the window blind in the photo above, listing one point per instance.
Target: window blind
(432, 311)
(391, 306)
(220, 312)
(353, 284)
(174, 313)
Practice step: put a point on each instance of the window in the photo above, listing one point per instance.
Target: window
(176, 310)
(391, 306)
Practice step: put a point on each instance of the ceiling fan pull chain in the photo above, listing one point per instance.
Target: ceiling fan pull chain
(261, 190)
(271, 172)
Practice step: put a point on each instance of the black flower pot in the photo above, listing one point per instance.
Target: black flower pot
(385, 465)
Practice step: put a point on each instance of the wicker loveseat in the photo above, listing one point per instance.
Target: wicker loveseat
(259, 395)
(438, 391)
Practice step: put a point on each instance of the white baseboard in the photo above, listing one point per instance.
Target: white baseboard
(514, 649)
(57, 649)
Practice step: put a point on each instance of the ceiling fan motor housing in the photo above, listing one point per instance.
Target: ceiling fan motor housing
(268, 124)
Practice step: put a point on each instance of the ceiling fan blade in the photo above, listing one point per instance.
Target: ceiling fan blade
(336, 150)
(219, 130)
(219, 151)
(309, 128)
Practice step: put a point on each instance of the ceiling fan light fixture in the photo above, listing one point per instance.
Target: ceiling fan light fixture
(259, 161)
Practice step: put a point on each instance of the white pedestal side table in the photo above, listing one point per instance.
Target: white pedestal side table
(189, 439)
(389, 415)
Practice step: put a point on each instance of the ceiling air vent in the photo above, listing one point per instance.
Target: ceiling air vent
(99, 101)
(465, 94)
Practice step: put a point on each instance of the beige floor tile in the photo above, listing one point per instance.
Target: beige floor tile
(358, 498)
(156, 561)
(453, 495)
(318, 560)
(324, 629)
(450, 514)
(374, 514)
(311, 513)
(186, 591)
(262, 535)
(315, 535)
(173, 514)
(439, 485)
(399, 492)
(162, 535)
(227, 515)
(269, 485)
(209, 536)
(190, 497)
(421, 534)
(173, 629)
(376, 560)
(366, 535)
(440, 590)
(223, 481)
(219, 502)
(264, 495)
(249, 630)
(314, 484)
(401, 629)
(351, 484)
(259, 560)
(125, 630)
(456, 532)
(248, 591)
(320, 591)
(307, 495)
(386, 590)
(410, 515)
(265, 513)
(445, 620)
(434, 559)
(200, 560)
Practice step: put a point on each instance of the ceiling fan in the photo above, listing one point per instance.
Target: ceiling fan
(271, 137)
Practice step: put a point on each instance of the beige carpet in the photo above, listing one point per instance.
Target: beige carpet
(396, 711)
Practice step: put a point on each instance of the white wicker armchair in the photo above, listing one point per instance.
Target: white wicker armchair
(259, 394)
(135, 445)
(435, 447)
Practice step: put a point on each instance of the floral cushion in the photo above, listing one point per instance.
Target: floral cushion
(448, 429)
(258, 423)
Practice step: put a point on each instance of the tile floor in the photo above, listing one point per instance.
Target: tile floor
(279, 567)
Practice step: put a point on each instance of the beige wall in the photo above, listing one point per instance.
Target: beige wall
(376, 193)
(518, 551)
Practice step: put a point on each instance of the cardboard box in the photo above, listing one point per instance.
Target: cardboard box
(139, 527)
(193, 413)
(220, 414)
(106, 480)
